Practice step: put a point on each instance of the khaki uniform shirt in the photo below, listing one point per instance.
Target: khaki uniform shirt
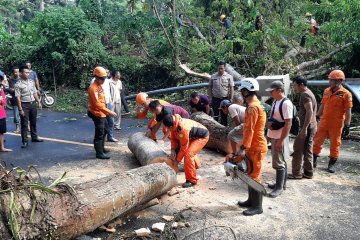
(25, 89)
(220, 85)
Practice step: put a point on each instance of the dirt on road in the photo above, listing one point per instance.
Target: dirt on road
(325, 207)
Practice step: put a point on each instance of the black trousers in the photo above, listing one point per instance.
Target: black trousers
(215, 106)
(124, 102)
(100, 126)
(30, 114)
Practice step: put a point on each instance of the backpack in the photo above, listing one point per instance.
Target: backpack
(295, 125)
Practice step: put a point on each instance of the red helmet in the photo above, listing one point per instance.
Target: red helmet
(141, 98)
(337, 75)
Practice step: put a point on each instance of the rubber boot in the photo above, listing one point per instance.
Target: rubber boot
(98, 145)
(272, 185)
(280, 177)
(256, 204)
(104, 149)
(315, 160)
(331, 166)
(246, 203)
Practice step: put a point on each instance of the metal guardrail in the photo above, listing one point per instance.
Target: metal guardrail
(353, 85)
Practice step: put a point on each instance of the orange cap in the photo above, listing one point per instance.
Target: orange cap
(141, 98)
(337, 75)
(100, 72)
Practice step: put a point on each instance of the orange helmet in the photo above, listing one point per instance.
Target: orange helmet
(337, 75)
(141, 98)
(100, 72)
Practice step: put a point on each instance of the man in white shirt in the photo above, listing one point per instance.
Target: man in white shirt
(237, 114)
(279, 125)
(117, 85)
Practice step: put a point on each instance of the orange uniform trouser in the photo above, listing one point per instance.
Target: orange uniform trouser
(257, 158)
(151, 126)
(191, 160)
(333, 132)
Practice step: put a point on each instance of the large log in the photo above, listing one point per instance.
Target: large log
(218, 133)
(69, 214)
(147, 151)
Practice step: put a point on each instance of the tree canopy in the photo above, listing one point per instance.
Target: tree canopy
(144, 40)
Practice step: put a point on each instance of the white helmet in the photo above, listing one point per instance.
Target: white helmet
(251, 84)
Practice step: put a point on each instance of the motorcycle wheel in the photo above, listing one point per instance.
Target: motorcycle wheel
(48, 100)
(8, 104)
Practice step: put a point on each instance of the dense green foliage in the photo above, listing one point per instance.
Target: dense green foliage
(68, 38)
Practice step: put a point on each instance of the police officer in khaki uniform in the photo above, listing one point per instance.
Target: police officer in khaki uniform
(26, 95)
(221, 86)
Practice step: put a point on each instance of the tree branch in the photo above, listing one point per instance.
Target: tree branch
(320, 61)
(201, 36)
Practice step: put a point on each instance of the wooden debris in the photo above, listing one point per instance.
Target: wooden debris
(168, 218)
(158, 227)
(143, 232)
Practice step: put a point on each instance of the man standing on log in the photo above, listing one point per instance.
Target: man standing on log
(160, 111)
(237, 114)
(303, 144)
(335, 117)
(221, 86)
(98, 111)
(187, 139)
(279, 125)
(254, 144)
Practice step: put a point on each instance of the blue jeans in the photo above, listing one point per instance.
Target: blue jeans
(16, 115)
(110, 125)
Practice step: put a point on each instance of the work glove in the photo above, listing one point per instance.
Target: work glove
(345, 131)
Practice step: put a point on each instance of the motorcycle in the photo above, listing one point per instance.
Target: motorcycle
(46, 99)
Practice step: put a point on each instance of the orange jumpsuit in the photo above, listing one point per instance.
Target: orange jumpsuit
(254, 139)
(332, 120)
(313, 24)
(189, 137)
(97, 105)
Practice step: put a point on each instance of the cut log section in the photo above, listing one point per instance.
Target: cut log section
(147, 151)
(218, 133)
(68, 215)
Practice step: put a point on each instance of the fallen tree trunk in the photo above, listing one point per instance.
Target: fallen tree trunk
(201, 36)
(218, 133)
(147, 151)
(68, 214)
(320, 61)
(228, 68)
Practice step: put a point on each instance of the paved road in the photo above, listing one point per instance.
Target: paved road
(68, 138)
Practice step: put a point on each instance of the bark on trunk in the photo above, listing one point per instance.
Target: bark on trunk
(147, 151)
(228, 68)
(218, 133)
(201, 36)
(69, 214)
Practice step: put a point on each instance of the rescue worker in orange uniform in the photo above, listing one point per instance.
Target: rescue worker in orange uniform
(254, 144)
(142, 109)
(187, 139)
(335, 118)
(98, 111)
(312, 22)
